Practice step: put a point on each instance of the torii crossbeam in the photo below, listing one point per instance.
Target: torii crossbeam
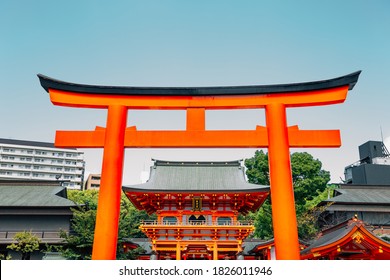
(276, 136)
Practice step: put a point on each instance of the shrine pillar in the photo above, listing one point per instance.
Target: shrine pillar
(178, 251)
(215, 251)
(106, 228)
(282, 193)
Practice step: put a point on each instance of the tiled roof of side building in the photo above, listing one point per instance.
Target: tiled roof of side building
(336, 236)
(33, 196)
(197, 176)
(362, 194)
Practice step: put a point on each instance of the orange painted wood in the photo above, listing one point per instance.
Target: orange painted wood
(199, 139)
(277, 137)
(296, 99)
(282, 193)
(107, 217)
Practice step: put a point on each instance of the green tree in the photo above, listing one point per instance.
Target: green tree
(5, 257)
(25, 243)
(79, 242)
(309, 182)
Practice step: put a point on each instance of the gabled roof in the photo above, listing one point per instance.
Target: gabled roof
(362, 194)
(360, 198)
(197, 176)
(349, 239)
(264, 244)
(34, 196)
(144, 243)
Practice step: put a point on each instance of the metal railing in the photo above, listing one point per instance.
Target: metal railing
(41, 234)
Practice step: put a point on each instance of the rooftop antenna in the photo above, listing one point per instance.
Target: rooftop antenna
(385, 152)
(381, 133)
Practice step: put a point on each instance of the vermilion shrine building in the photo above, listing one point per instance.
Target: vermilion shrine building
(197, 206)
(349, 240)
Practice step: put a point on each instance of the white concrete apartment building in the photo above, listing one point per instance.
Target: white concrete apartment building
(31, 160)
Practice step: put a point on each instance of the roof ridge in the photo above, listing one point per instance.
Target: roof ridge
(197, 163)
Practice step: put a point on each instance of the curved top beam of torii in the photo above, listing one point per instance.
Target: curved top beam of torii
(315, 93)
(350, 80)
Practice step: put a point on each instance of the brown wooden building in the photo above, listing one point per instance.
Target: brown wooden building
(39, 207)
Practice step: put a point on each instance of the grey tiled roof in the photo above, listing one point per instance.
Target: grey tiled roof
(329, 237)
(250, 245)
(361, 194)
(197, 176)
(33, 196)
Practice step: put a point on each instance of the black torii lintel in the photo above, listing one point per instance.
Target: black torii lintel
(350, 80)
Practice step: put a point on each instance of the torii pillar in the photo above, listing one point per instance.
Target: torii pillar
(276, 136)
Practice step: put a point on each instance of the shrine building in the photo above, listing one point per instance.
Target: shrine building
(349, 240)
(197, 206)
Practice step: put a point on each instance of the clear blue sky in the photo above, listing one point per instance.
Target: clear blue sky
(195, 43)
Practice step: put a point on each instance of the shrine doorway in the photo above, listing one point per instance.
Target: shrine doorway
(197, 219)
(197, 252)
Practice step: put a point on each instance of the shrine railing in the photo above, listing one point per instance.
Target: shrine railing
(197, 223)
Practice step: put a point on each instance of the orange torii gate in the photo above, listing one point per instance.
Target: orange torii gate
(276, 136)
